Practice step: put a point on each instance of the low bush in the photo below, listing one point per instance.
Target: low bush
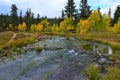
(112, 74)
(38, 49)
(1, 49)
(92, 72)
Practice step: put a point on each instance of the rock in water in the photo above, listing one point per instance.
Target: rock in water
(102, 61)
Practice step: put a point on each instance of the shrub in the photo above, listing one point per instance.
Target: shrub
(112, 74)
(38, 49)
(114, 57)
(1, 49)
(93, 72)
(67, 38)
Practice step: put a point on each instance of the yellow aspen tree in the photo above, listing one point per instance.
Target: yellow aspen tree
(33, 27)
(20, 27)
(116, 28)
(45, 23)
(24, 27)
(69, 28)
(67, 22)
(55, 28)
(39, 27)
(62, 28)
(84, 26)
(94, 20)
(104, 23)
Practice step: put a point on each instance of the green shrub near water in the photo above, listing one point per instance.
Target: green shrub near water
(38, 49)
(1, 49)
(92, 72)
(112, 74)
(67, 38)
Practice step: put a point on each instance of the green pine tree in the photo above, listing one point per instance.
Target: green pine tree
(84, 9)
(14, 15)
(70, 10)
(116, 14)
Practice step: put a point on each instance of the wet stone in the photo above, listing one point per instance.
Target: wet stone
(103, 61)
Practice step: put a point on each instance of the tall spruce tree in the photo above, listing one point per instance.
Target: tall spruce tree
(70, 10)
(28, 18)
(20, 19)
(116, 14)
(84, 9)
(109, 12)
(38, 18)
(99, 9)
(14, 15)
(63, 14)
(32, 18)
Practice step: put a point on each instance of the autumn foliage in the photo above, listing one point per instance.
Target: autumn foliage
(116, 28)
(96, 22)
(22, 27)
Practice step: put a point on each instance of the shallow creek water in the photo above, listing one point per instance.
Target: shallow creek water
(60, 59)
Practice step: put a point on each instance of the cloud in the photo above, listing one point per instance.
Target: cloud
(52, 8)
(49, 8)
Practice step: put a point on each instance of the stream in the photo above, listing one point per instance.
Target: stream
(60, 59)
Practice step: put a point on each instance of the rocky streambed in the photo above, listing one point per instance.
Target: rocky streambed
(60, 59)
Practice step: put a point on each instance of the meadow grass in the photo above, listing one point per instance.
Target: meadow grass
(38, 49)
(19, 41)
(4, 38)
(112, 74)
(92, 72)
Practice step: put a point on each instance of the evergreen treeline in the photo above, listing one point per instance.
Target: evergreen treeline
(70, 16)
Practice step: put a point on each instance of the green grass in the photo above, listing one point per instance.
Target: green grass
(1, 49)
(4, 38)
(114, 57)
(21, 35)
(107, 38)
(92, 72)
(19, 41)
(38, 49)
(112, 74)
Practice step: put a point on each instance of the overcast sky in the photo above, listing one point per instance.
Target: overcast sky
(52, 8)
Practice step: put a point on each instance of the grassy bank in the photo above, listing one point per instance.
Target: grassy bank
(114, 41)
(106, 38)
(4, 38)
(21, 39)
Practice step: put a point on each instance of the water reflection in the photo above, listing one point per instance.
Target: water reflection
(109, 50)
(94, 46)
